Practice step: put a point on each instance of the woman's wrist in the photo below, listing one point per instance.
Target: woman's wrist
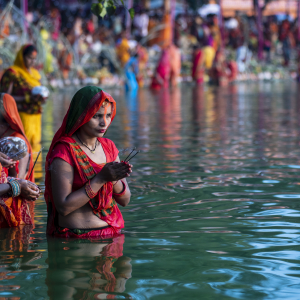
(100, 179)
(119, 189)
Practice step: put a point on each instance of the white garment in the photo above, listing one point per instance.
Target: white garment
(141, 23)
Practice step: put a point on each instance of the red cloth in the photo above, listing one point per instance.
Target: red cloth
(198, 67)
(63, 151)
(83, 107)
(163, 72)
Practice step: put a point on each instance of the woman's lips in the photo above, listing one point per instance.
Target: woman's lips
(102, 130)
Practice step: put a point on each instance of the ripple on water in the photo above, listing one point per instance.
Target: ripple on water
(214, 210)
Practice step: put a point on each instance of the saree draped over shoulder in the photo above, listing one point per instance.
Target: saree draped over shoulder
(83, 107)
(14, 211)
(9, 111)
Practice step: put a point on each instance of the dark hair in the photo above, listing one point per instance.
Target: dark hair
(29, 49)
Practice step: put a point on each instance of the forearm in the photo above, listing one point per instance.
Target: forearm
(23, 166)
(4, 188)
(79, 198)
(124, 199)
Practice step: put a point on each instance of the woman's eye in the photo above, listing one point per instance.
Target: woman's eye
(108, 116)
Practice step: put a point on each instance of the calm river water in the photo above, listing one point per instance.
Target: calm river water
(215, 207)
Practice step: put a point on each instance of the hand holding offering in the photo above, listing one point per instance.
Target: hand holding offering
(114, 171)
(29, 190)
(6, 162)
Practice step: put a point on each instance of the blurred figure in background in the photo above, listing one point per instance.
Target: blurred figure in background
(215, 32)
(161, 76)
(286, 38)
(131, 71)
(198, 70)
(175, 63)
(123, 49)
(141, 23)
(18, 81)
(198, 31)
(143, 60)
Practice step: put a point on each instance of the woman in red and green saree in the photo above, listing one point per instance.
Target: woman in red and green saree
(84, 176)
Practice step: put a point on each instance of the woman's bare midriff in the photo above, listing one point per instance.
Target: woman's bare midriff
(82, 218)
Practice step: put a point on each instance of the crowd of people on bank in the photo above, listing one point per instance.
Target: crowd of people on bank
(207, 48)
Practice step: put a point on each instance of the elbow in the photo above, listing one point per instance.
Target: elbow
(125, 201)
(63, 211)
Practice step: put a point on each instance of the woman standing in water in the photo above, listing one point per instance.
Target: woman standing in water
(19, 80)
(14, 195)
(11, 125)
(84, 176)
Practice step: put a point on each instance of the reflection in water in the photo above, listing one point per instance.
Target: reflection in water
(87, 269)
(16, 256)
(214, 212)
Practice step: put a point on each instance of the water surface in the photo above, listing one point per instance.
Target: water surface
(215, 206)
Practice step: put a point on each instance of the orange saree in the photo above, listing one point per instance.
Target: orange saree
(10, 113)
(13, 211)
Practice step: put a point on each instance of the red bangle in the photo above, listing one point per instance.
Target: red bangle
(89, 191)
(123, 191)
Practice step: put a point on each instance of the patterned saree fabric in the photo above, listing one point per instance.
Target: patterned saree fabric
(13, 211)
(24, 81)
(9, 111)
(83, 107)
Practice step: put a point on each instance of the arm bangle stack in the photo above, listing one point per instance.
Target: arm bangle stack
(89, 191)
(123, 191)
(15, 187)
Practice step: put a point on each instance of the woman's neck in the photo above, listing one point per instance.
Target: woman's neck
(86, 139)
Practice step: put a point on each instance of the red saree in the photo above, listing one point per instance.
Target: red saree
(198, 70)
(162, 76)
(83, 107)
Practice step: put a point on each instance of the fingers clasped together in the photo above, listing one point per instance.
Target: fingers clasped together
(115, 171)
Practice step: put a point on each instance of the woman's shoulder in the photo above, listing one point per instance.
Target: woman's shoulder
(62, 150)
(9, 73)
(110, 148)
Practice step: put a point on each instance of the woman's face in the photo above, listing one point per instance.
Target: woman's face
(99, 123)
(30, 59)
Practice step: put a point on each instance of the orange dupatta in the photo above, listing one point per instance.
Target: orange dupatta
(11, 115)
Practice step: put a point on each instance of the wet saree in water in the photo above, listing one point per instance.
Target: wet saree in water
(14, 211)
(83, 107)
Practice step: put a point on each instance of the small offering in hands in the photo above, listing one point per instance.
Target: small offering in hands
(41, 90)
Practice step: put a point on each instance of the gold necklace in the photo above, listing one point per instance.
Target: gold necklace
(92, 150)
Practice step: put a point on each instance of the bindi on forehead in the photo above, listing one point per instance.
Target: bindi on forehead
(105, 109)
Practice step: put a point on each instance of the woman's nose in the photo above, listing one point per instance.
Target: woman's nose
(102, 122)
